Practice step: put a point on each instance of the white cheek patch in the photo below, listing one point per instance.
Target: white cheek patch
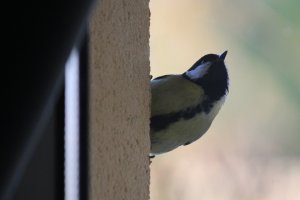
(199, 71)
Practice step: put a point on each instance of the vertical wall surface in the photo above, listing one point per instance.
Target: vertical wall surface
(119, 100)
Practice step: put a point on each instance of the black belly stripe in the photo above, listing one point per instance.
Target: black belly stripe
(160, 122)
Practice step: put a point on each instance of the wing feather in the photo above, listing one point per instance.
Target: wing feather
(173, 93)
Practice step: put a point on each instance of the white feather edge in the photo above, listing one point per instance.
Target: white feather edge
(199, 71)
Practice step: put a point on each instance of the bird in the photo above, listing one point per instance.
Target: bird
(183, 106)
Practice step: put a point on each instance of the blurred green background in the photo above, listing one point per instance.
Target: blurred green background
(252, 150)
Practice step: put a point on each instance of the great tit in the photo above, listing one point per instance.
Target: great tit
(183, 106)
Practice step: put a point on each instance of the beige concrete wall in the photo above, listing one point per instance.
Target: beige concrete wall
(119, 100)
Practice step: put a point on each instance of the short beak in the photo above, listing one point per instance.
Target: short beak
(223, 55)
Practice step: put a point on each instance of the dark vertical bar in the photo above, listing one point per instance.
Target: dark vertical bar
(32, 81)
(60, 147)
(84, 118)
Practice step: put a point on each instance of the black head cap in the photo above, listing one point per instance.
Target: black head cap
(215, 81)
(209, 58)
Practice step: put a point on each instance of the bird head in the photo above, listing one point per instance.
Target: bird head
(211, 74)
